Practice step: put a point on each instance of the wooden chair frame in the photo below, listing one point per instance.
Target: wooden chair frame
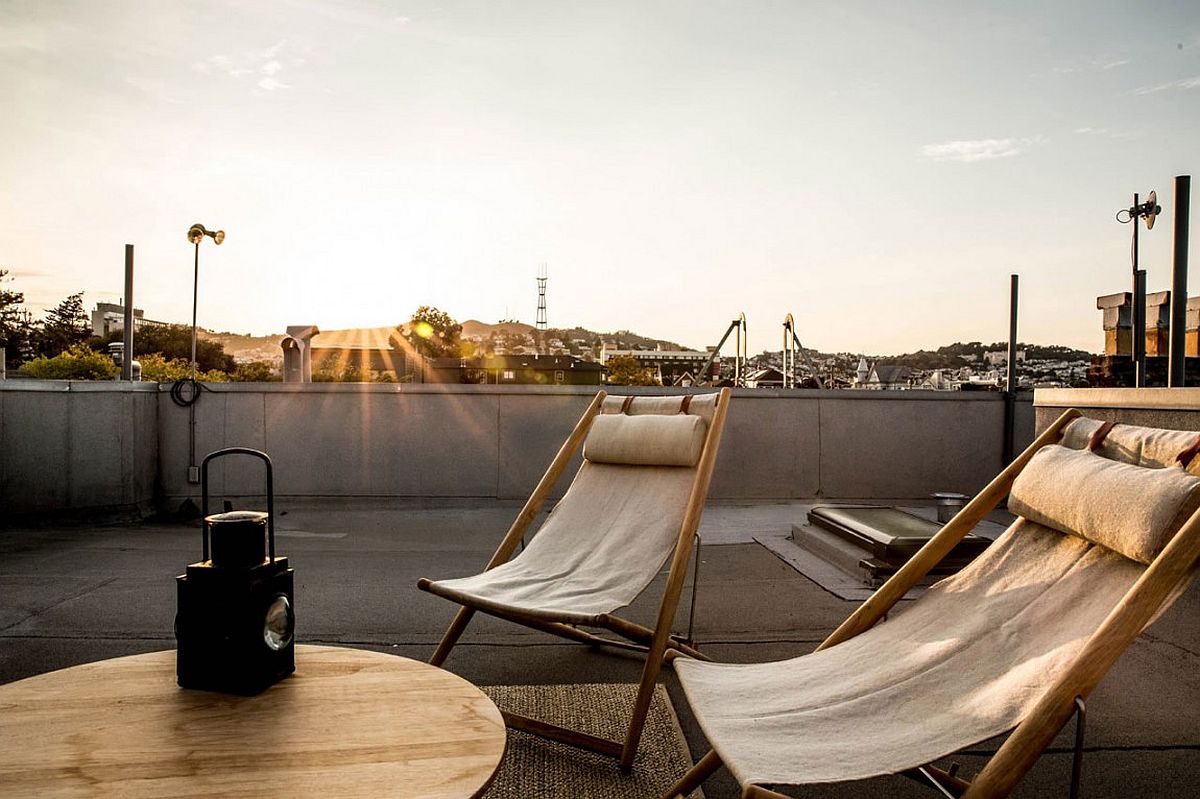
(1058, 702)
(655, 643)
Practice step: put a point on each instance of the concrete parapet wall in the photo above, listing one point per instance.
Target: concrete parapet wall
(129, 444)
(489, 441)
(67, 446)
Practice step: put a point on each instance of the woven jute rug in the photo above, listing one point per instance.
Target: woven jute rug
(535, 768)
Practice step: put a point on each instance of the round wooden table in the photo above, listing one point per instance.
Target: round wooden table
(348, 723)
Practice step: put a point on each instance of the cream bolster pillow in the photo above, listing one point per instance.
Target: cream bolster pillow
(1129, 509)
(646, 440)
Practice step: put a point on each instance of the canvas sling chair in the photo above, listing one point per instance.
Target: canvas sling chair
(635, 502)
(1107, 535)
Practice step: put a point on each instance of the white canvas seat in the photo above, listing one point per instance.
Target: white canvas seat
(600, 546)
(634, 505)
(1101, 545)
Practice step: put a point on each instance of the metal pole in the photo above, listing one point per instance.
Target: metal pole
(1010, 383)
(1138, 312)
(1139, 344)
(737, 358)
(127, 337)
(195, 292)
(1179, 282)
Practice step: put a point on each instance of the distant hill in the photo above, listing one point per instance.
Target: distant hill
(266, 348)
(958, 354)
(244, 347)
(473, 328)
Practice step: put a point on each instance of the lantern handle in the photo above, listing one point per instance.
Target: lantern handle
(270, 495)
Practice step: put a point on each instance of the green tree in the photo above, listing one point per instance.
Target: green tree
(16, 330)
(174, 342)
(333, 372)
(65, 325)
(431, 332)
(255, 372)
(77, 362)
(157, 369)
(624, 370)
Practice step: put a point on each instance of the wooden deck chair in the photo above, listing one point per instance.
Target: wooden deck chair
(1107, 536)
(635, 502)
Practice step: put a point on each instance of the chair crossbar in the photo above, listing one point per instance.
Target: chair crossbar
(566, 735)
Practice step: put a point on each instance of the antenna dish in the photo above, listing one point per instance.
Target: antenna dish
(1151, 209)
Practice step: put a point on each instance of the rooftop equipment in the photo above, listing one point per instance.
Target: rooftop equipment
(740, 357)
(1148, 211)
(792, 345)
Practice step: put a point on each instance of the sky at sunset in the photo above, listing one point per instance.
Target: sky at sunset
(876, 169)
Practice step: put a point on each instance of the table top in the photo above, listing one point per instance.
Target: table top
(349, 722)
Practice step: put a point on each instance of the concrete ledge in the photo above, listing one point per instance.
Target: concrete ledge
(1127, 398)
(1169, 408)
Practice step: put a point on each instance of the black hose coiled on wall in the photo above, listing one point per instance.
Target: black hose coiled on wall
(179, 397)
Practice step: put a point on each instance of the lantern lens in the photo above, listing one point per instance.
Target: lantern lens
(279, 624)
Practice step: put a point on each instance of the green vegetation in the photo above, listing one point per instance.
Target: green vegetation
(158, 369)
(255, 372)
(623, 370)
(79, 362)
(16, 329)
(65, 326)
(174, 342)
(332, 371)
(431, 332)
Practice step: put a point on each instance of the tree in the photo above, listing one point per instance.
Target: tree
(16, 331)
(255, 372)
(174, 342)
(65, 325)
(624, 370)
(431, 332)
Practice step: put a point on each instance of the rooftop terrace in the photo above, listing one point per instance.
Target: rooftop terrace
(74, 592)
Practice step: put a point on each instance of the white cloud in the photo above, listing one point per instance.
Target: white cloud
(266, 65)
(1092, 65)
(968, 151)
(1183, 83)
(1092, 131)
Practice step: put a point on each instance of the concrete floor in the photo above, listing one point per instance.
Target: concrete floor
(72, 594)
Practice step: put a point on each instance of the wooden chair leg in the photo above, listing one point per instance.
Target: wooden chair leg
(453, 632)
(695, 776)
(654, 661)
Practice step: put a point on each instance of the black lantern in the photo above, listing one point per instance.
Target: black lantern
(235, 624)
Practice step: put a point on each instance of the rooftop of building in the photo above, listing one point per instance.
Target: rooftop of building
(78, 593)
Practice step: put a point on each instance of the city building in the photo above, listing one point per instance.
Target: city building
(536, 370)
(1000, 357)
(888, 377)
(110, 316)
(669, 367)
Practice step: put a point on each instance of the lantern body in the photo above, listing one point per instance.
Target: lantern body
(234, 634)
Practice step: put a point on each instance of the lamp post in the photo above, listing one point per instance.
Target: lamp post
(196, 234)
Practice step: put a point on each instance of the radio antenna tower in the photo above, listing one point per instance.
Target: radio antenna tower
(541, 315)
(541, 312)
